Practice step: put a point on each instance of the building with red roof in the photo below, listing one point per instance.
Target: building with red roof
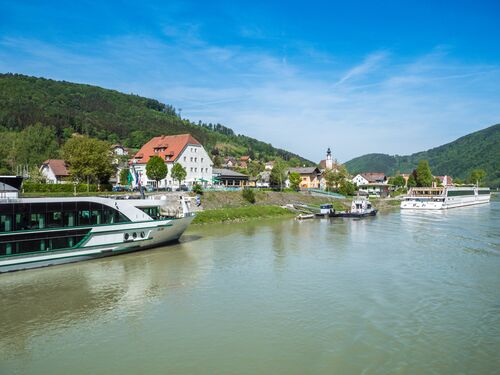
(55, 171)
(183, 149)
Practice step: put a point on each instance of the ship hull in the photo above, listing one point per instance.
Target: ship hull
(104, 241)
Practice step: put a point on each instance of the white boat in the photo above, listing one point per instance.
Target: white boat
(440, 198)
(305, 216)
(360, 207)
(40, 232)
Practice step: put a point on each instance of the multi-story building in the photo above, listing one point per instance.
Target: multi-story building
(183, 149)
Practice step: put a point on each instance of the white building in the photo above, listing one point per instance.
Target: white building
(183, 149)
(359, 180)
(55, 171)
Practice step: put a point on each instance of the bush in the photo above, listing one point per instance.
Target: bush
(248, 195)
(30, 187)
(197, 189)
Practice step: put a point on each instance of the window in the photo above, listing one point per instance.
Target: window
(202, 160)
(191, 158)
(185, 158)
(191, 169)
(195, 159)
(195, 169)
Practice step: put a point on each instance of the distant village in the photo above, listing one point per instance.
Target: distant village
(231, 173)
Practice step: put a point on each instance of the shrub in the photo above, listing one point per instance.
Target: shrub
(248, 195)
(197, 189)
(30, 187)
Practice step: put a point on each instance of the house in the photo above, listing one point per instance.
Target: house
(245, 159)
(359, 180)
(374, 177)
(310, 177)
(269, 166)
(263, 179)
(183, 149)
(229, 178)
(230, 162)
(119, 150)
(445, 180)
(375, 190)
(55, 171)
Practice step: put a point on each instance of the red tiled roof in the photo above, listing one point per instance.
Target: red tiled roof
(58, 166)
(245, 158)
(373, 176)
(171, 145)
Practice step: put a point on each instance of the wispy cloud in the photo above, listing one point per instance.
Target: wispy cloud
(369, 64)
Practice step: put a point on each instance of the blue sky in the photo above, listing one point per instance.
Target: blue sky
(359, 76)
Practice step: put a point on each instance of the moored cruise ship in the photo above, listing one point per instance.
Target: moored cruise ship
(39, 232)
(439, 198)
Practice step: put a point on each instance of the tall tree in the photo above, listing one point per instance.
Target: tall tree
(89, 159)
(124, 176)
(398, 181)
(424, 174)
(295, 180)
(411, 181)
(156, 169)
(477, 176)
(178, 173)
(278, 173)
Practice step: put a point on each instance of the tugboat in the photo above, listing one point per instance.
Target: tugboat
(360, 207)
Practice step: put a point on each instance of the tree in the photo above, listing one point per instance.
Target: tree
(178, 173)
(476, 176)
(156, 169)
(124, 176)
(398, 181)
(346, 187)
(424, 174)
(411, 181)
(437, 181)
(334, 177)
(31, 146)
(295, 180)
(36, 176)
(88, 159)
(278, 173)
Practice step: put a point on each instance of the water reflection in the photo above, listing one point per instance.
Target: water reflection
(38, 301)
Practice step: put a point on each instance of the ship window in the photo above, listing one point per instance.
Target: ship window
(5, 223)
(54, 220)
(84, 217)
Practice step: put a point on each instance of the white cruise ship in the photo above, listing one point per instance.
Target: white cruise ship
(40, 232)
(439, 198)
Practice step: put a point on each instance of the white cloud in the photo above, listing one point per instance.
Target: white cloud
(383, 104)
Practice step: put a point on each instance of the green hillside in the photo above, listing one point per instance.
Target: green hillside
(110, 115)
(480, 149)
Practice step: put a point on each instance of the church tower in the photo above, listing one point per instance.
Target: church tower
(329, 161)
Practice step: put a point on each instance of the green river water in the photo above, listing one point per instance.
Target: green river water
(401, 293)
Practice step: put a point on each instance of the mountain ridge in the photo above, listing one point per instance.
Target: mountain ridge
(480, 149)
(113, 116)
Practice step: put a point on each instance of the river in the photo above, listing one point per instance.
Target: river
(400, 293)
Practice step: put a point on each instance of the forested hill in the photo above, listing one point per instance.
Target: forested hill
(113, 116)
(480, 149)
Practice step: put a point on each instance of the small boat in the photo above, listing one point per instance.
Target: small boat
(305, 216)
(360, 207)
(325, 210)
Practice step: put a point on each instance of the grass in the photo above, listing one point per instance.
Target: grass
(240, 214)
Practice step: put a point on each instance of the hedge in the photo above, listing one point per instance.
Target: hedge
(30, 187)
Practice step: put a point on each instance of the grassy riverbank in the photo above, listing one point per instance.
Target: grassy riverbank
(240, 214)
